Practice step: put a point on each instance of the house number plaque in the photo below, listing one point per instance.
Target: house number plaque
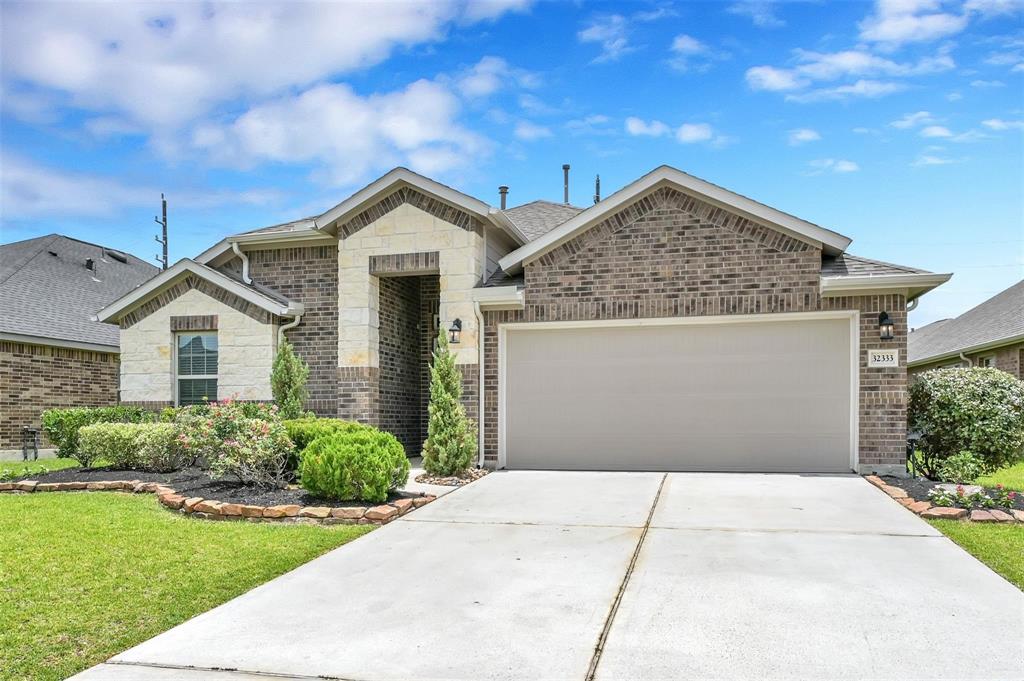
(883, 358)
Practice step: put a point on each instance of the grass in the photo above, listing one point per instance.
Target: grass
(1001, 546)
(85, 576)
(20, 467)
(1011, 477)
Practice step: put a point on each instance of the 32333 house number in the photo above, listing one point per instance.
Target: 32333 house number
(883, 358)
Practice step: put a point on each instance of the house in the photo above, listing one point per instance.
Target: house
(989, 335)
(674, 325)
(52, 353)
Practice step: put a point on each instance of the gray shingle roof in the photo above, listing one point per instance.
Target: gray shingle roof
(503, 278)
(283, 227)
(1000, 317)
(537, 218)
(53, 296)
(846, 265)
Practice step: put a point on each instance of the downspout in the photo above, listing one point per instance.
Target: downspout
(245, 262)
(912, 305)
(287, 327)
(480, 390)
(966, 360)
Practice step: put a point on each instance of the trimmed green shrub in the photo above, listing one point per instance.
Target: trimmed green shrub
(135, 446)
(303, 431)
(362, 464)
(451, 436)
(963, 468)
(288, 381)
(61, 425)
(980, 410)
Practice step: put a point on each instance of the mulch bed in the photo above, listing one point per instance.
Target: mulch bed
(452, 481)
(918, 489)
(195, 482)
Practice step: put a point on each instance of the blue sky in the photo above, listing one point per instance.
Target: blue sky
(897, 123)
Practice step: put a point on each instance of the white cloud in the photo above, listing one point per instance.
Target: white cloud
(31, 190)
(954, 97)
(932, 160)
(989, 8)
(832, 165)
(164, 65)
(912, 120)
(686, 44)
(689, 53)
(611, 33)
(348, 134)
(773, 79)
(802, 136)
(896, 22)
(491, 74)
(1000, 124)
(935, 131)
(867, 89)
(689, 133)
(987, 84)
(1019, 68)
(640, 128)
(761, 12)
(527, 131)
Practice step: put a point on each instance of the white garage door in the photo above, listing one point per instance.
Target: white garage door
(747, 396)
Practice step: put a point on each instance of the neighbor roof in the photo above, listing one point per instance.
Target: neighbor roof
(997, 321)
(537, 218)
(46, 292)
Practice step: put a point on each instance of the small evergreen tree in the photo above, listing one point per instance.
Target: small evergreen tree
(288, 382)
(451, 436)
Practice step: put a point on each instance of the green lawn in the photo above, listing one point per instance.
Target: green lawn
(1011, 477)
(19, 467)
(1001, 547)
(85, 576)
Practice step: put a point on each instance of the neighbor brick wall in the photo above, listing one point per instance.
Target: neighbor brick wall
(308, 275)
(671, 255)
(1009, 359)
(34, 378)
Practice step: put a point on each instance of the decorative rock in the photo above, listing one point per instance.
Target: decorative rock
(348, 512)
(26, 485)
(382, 513)
(968, 489)
(423, 501)
(162, 489)
(207, 506)
(315, 512)
(920, 506)
(337, 521)
(190, 504)
(979, 516)
(947, 512)
(875, 480)
(894, 492)
(231, 509)
(1001, 516)
(287, 510)
(48, 487)
(1019, 515)
(71, 486)
(251, 511)
(403, 505)
(905, 501)
(93, 486)
(6, 486)
(173, 501)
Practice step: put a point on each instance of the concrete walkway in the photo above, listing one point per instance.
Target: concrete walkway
(565, 575)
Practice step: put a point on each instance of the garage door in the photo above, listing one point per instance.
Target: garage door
(748, 396)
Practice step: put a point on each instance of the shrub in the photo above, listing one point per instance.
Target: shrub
(303, 431)
(244, 440)
(451, 436)
(138, 446)
(61, 425)
(358, 464)
(962, 468)
(288, 381)
(980, 410)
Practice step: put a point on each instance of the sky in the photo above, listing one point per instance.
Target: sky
(898, 123)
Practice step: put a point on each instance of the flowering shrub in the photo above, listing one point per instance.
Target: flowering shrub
(244, 440)
(979, 410)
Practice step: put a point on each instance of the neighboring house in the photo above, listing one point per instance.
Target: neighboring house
(989, 335)
(674, 325)
(52, 353)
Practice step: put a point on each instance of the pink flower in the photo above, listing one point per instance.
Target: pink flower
(959, 490)
(1011, 496)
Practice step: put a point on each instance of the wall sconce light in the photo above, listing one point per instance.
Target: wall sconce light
(885, 327)
(455, 332)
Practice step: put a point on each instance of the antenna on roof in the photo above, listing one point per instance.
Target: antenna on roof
(597, 189)
(162, 239)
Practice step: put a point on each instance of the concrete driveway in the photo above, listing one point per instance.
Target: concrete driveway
(566, 575)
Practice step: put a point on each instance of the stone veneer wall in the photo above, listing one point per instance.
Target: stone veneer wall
(246, 351)
(308, 275)
(672, 255)
(34, 378)
(1009, 359)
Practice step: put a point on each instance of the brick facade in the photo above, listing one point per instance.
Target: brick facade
(34, 378)
(670, 255)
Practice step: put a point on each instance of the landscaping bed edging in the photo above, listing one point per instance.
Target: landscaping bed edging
(928, 511)
(209, 509)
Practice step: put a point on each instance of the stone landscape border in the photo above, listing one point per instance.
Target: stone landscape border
(927, 510)
(209, 509)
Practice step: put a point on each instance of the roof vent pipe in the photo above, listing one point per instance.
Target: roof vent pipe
(597, 189)
(565, 182)
(503, 191)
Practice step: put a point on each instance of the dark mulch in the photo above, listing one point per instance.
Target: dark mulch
(918, 488)
(196, 482)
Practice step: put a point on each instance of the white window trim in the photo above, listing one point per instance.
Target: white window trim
(981, 358)
(175, 377)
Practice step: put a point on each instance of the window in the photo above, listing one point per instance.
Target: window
(987, 361)
(196, 365)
